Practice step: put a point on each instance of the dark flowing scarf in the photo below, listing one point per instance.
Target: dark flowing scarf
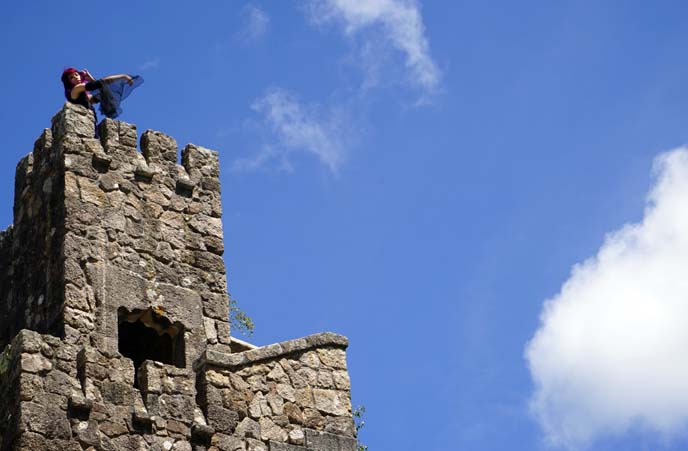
(113, 93)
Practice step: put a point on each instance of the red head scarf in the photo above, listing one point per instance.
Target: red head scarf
(65, 77)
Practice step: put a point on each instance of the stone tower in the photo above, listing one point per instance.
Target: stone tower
(114, 326)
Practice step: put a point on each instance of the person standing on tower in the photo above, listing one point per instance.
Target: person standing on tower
(81, 88)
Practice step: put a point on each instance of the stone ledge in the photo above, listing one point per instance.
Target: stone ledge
(231, 361)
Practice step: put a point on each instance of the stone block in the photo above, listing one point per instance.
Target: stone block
(341, 379)
(309, 375)
(248, 428)
(221, 419)
(223, 442)
(275, 446)
(297, 436)
(87, 433)
(270, 431)
(60, 383)
(310, 359)
(286, 391)
(275, 402)
(30, 441)
(293, 412)
(35, 363)
(74, 120)
(149, 377)
(215, 305)
(177, 428)
(332, 402)
(182, 445)
(30, 386)
(327, 339)
(259, 406)
(118, 393)
(340, 426)
(49, 421)
(177, 407)
(304, 397)
(255, 445)
(333, 357)
(313, 419)
(330, 442)
(28, 341)
(325, 379)
(277, 374)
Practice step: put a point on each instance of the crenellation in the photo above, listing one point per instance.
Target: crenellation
(158, 148)
(73, 120)
(118, 140)
(205, 161)
(41, 148)
(22, 180)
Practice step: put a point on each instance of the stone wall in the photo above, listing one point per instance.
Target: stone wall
(142, 232)
(114, 331)
(103, 230)
(31, 254)
(290, 396)
(42, 379)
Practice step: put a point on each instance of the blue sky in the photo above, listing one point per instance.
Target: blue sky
(421, 177)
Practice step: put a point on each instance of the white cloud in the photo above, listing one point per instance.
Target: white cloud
(402, 27)
(611, 352)
(294, 127)
(255, 23)
(262, 158)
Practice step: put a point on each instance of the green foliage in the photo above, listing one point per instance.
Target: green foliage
(238, 319)
(358, 419)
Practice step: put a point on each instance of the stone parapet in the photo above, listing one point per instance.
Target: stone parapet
(69, 397)
(62, 396)
(237, 360)
(277, 396)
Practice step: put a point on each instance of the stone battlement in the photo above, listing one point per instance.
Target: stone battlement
(114, 315)
(105, 218)
(116, 150)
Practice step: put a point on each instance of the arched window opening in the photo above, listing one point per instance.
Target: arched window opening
(146, 335)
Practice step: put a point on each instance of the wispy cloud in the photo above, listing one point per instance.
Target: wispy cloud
(610, 353)
(398, 22)
(292, 127)
(152, 63)
(267, 155)
(254, 24)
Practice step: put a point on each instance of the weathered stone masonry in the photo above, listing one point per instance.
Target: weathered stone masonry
(114, 312)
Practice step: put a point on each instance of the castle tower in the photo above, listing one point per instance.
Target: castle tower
(114, 326)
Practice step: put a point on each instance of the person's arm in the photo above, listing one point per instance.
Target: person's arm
(111, 78)
(81, 87)
(88, 75)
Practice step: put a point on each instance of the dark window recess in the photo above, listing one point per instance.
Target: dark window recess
(145, 335)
